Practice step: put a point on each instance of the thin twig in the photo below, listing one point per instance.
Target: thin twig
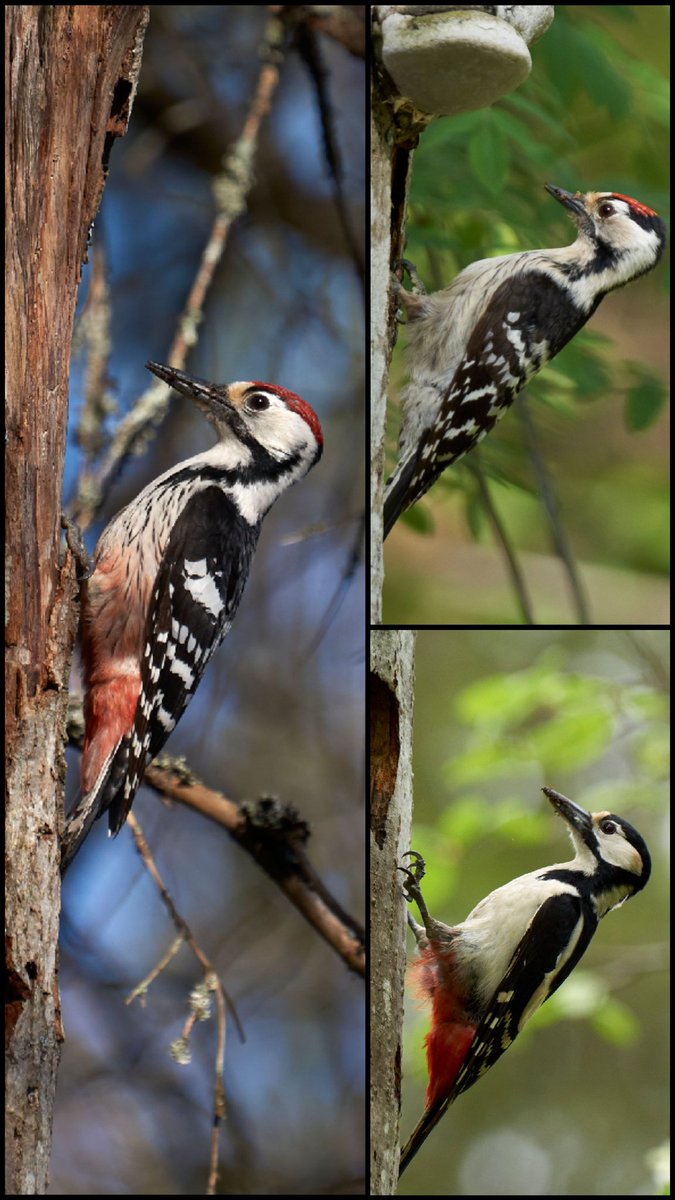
(271, 832)
(354, 558)
(310, 52)
(561, 544)
(214, 983)
(274, 835)
(231, 189)
(517, 577)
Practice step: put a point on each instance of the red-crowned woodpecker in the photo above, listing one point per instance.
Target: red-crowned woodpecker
(486, 977)
(475, 344)
(169, 573)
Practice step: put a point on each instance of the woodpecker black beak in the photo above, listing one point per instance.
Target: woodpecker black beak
(213, 400)
(573, 203)
(573, 813)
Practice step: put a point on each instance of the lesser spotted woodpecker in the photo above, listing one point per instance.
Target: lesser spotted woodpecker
(486, 977)
(474, 345)
(169, 573)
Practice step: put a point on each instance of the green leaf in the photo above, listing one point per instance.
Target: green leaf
(644, 404)
(489, 156)
(419, 518)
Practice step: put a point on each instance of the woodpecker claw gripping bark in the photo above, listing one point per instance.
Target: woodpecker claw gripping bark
(414, 874)
(168, 577)
(474, 345)
(486, 977)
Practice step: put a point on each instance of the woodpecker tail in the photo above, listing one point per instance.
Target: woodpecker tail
(447, 1043)
(95, 800)
(109, 710)
(396, 495)
(420, 1133)
(79, 822)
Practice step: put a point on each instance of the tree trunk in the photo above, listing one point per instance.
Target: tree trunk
(391, 701)
(71, 74)
(392, 145)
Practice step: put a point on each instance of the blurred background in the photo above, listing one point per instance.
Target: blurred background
(281, 707)
(578, 1105)
(594, 114)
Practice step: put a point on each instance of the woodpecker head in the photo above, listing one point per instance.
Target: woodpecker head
(623, 238)
(261, 415)
(608, 849)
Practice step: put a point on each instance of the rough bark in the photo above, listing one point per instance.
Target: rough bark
(70, 78)
(391, 706)
(392, 144)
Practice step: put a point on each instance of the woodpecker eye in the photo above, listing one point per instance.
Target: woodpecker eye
(608, 826)
(258, 402)
(606, 209)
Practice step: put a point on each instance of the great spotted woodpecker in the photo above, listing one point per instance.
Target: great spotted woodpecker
(169, 573)
(486, 977)
(474, 345)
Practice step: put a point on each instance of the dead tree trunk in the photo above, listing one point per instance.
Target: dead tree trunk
(391, 706)
(70, 77)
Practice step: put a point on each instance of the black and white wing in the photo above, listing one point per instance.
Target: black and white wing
(195, 597)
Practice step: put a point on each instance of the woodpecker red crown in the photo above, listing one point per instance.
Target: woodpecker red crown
(641, 208)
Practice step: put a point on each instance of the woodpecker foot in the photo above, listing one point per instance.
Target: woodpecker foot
(418, 867)
(414, 874)
(404, 264)
(85, 565)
